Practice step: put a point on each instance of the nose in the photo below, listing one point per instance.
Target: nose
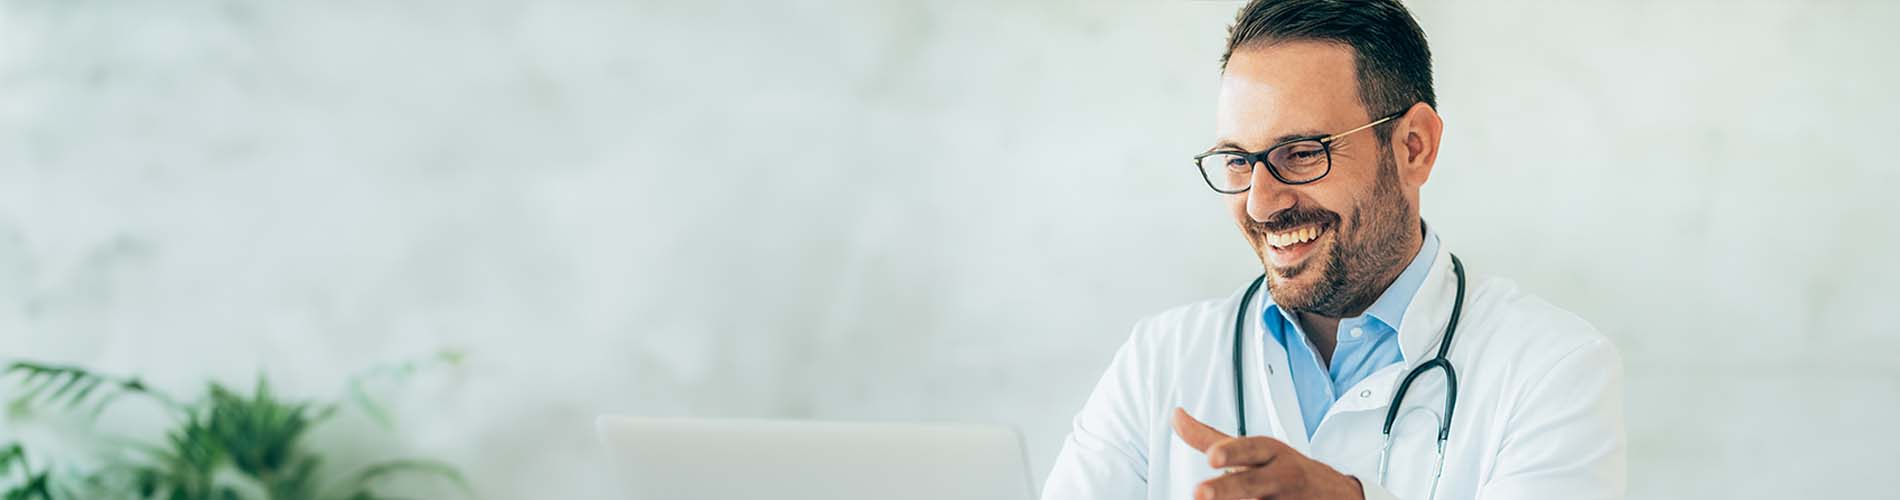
(1266, 194)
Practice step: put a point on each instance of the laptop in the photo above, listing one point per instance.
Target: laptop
(702, 459)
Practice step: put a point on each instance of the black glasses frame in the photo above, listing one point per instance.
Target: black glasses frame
(1260, 158)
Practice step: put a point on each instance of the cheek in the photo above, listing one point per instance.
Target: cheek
(1347, 194)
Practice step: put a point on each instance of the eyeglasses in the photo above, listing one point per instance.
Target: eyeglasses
(1298, 161)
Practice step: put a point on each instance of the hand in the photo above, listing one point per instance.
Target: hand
(1261, 467)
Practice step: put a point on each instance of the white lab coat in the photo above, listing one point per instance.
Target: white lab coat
(1539, 414)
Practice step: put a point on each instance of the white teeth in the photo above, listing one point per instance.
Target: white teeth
(1293, 237)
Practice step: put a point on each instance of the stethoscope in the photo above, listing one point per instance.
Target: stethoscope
(1391, 413)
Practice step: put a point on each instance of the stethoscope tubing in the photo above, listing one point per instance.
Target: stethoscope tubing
(1392, 412)
(1391, 415)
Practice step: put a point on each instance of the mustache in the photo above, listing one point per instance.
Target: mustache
(1294, 217)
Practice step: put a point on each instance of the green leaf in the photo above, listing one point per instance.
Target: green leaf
(368, 404)
(359, 385)
(359, 486)
(80, 396)
(72, 380)
(71, 387)
(33, 484)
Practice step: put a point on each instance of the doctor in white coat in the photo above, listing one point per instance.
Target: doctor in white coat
(1326, 131)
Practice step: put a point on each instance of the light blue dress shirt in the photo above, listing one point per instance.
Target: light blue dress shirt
(1367, 342)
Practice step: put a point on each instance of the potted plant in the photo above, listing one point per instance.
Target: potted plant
(224, 445)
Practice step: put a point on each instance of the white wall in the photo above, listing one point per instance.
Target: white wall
(909, 210)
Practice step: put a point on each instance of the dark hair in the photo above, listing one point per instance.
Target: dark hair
(1393, 63)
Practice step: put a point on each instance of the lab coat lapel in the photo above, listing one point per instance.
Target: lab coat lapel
(1283, 407)
(1424, 322)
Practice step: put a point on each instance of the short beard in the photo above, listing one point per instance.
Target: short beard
(1360, 265)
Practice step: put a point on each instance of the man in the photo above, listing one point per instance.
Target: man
(1326, 131)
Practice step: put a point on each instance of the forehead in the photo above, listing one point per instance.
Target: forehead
(1289, 88)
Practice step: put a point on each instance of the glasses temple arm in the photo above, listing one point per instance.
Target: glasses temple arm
(1387, 118)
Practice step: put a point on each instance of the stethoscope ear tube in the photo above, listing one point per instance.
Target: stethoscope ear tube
(1240, 323)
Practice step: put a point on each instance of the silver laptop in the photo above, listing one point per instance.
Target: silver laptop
(694, 459)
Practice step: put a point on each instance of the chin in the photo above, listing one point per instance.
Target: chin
(1294, 287)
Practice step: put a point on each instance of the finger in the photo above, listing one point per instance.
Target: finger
(1258, 482)
(1253, 451)
(1195, 433)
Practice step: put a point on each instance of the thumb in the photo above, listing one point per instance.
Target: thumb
(1195, 433)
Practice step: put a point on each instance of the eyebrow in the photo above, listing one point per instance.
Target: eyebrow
(1229, 144)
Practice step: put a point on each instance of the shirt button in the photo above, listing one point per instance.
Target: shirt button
(1365, 393)
(1356, 332)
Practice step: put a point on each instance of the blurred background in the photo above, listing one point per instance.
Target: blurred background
(876, 210)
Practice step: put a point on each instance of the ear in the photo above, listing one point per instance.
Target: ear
(1415, 143)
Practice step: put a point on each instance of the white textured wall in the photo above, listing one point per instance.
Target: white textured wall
(910, 210)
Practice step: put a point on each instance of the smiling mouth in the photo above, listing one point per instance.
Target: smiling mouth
(1296, 236)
